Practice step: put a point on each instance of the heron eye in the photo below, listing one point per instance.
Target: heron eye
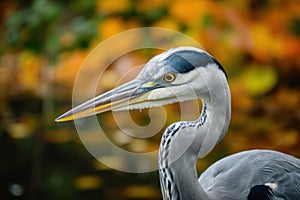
(169, 77)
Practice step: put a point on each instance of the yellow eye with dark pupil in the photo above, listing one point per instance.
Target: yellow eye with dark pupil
(169, 77)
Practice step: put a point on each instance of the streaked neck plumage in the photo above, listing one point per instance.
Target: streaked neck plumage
(194, 139)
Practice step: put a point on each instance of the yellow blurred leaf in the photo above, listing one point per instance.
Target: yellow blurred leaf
(19, 130)
(286, 139)
(169, 23)
(66, 70)
(112, 6)
(29, 73)
(141, 192)
(265, 43)
(190, 12)
(258, 80)
(87, 182)
(110, 26)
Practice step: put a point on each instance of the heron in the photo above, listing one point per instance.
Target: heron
(186, 73)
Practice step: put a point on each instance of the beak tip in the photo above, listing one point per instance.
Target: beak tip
(58, 119)
(63, 118)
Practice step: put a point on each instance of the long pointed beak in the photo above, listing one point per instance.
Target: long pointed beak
(131, 93)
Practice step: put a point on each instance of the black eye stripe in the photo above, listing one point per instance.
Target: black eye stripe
(187, 60)
(179, 63)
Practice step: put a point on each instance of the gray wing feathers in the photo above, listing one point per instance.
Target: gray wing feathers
(288, 186)
(234, 176)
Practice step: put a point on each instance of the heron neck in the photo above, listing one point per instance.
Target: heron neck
(186, 183)
(217, 110)
(207, 131)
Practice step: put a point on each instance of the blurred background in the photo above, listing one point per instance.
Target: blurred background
(44, 42)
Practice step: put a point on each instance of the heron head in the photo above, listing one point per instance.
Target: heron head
(179, 74)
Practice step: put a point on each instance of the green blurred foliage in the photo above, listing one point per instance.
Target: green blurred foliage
(43, 43)
(38, 26)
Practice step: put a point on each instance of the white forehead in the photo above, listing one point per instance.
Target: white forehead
(155, 68)
(166, 54)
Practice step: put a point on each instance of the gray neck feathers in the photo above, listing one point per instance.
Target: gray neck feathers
(178, 174)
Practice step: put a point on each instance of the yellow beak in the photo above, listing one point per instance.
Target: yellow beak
(131, 93)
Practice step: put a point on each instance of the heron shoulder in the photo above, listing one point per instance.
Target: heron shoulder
(236, 174)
